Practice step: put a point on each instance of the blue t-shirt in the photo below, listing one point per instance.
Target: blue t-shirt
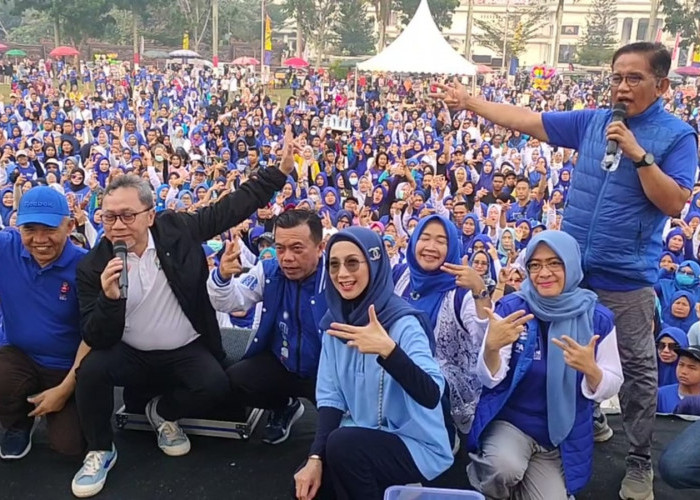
(39, 306)
(667, 399)
(566, 129)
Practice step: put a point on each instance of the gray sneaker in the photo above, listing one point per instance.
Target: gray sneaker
(171, 438)
(638, 483)
(601, 430)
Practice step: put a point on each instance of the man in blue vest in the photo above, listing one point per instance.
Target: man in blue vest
(618, 217)
(281, 362)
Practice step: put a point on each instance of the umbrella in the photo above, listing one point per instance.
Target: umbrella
(688, 71)
(246, 61)
(295, 62)
(481, 69)
(156, 54)
(64, 51)
(15, 53)
(3, 47)
(184, 54)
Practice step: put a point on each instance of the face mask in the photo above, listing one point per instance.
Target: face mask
(410, 231)
(215, 245)
(399, 195)
(487, 138)
(315, 197)
(159, 158)
(354, 181)
(297, 123)
(684, 279)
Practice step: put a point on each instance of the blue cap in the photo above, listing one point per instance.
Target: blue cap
(42, 205)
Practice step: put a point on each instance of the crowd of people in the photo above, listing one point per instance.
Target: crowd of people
(432, 270)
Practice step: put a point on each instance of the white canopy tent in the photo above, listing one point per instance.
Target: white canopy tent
(420, 48)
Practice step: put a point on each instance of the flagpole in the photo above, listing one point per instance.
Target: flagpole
(262, 45)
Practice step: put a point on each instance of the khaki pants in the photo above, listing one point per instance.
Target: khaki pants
(21, 377)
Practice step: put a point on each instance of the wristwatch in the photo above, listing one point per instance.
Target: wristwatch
(483, 294)
(646, 161)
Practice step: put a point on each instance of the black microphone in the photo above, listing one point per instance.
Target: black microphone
(612, 155)
(120, 251)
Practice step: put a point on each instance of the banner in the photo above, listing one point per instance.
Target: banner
(268, 41)
(675, 49)
(696, 56)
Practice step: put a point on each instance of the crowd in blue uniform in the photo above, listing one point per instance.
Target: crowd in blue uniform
(433, 271)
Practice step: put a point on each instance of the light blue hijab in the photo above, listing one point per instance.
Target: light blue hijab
(570, 313)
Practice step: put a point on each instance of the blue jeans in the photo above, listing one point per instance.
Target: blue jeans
(680, 463)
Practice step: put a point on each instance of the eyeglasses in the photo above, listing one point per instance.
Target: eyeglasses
(352, 264)
(632, 80)
(552, 265)
(671, 346)
(689, 272)
(127, 218)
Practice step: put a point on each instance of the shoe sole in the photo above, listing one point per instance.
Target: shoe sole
(27, 449)
(171, 451)
(626, 497)
(603, 436)
(297, 415)
(92, 490)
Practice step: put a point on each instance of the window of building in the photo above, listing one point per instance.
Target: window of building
(642, 29)
(570, 30)
(626, 30)
(567, 54)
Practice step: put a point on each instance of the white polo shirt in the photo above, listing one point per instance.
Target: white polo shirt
(154, 318)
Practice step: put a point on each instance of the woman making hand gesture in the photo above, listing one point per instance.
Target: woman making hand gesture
(378, 387)
(550, 351)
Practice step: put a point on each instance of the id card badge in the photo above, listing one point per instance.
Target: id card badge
(284, 352)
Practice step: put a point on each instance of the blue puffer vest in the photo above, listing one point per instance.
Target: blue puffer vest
(618, 228)
(577, 449)
(305, 362)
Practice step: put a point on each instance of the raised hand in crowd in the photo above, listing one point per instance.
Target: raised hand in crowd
(581, 358)
(230, 262)
(369, 339)
(502, 332)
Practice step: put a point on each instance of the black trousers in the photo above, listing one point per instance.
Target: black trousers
(361, 463)
(263, 382)
(191, 378)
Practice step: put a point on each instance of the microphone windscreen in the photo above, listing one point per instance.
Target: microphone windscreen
(119, 247)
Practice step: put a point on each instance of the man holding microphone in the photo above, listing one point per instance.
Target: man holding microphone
(163, 332)
(617, 213)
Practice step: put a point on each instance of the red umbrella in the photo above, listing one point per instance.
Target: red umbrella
(688, 71)
(246, 61)
(3, 48)
(295, 62)
(481, 69)
(64, 51)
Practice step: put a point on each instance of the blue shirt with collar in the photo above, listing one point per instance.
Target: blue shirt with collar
(39, 306)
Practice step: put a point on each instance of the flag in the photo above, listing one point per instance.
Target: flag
(696, 56)
(186, 41)
(268, 41)
(675, 47)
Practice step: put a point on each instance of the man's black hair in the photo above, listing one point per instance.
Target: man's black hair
(522, 179)
(657, 54)
(296, 218)
(499, 174)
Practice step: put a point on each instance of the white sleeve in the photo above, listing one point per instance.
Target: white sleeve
(608, 360)
(482, 371)
(153, 177)
(248, 258)
(237, 294)
(475, 325)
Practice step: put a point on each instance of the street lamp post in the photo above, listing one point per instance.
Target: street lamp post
(505, 37)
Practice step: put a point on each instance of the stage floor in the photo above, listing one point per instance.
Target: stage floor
(228, 469)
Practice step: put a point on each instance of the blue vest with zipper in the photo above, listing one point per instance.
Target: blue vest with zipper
(577, 449)
(296, 339)
(618, 228)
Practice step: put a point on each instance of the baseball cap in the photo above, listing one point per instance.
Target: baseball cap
(21, 152)
(692, 351)
(42, 205)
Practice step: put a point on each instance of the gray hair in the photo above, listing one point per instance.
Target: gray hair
(133, 182)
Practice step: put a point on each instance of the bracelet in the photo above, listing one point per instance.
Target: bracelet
(315, 457)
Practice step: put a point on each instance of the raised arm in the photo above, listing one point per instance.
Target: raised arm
(456, 97)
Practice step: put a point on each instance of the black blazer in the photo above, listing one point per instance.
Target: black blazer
(178, 239)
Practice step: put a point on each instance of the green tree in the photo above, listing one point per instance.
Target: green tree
(520, 26)
(442, 10)
(354, 29)
(33, 26)
(683, 18)
(297, 10)
(597, 45)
